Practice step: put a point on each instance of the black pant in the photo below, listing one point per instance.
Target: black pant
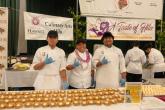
(134, 77)
(159, 75)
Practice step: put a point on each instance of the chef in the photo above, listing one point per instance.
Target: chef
(134, 59)
(50, 61)
(79, 64)
(110, 64)
(155, 58)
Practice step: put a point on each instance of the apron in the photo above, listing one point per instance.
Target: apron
(108, 75)
(49, 76)
(47, 82)
(80, 77)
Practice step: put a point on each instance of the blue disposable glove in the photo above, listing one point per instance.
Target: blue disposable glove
(122, 82)
(104, 61)
(65, 85)
(48, 60)
(76, 63)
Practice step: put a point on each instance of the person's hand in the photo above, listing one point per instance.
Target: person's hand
(104, 61)
(123, 75)
(76, 63)
(65, 85)
(122, 82)
(48, 60)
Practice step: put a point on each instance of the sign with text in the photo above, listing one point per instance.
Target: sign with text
(38, 25)
(133, 92)
(122, 8)
(122, 29)
(3, 41)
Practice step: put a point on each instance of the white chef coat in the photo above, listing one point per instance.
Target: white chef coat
(49, 76)
(155, 57)
(134, 59)
(80, 77)
(108, 75)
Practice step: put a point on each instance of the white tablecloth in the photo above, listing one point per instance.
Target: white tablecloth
(26, 78)
(147, 73)
(149, 103)
(19, 78)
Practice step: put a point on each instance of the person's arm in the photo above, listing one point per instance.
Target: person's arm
(92, 73)
(93, 82)
(127, 60)
(151, 58)
(39, 66)
(96, 58)
(123, 75)
(92, 68)
(62, 67)
(70, 62)
(69, 67)
(62, 71)
(143, 58)
(63, 75)
(98, 64)
(122, 65)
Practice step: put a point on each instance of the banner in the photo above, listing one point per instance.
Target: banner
(38, 25)
(152, 9)
(122, 29)
(3, 41)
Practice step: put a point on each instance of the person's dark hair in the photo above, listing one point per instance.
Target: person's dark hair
(107, 35)
(81, 40)
(149, 45)
(135, 43)
(52, 34)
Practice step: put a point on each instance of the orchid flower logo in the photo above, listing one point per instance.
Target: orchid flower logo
(103, 27)
(35, 21)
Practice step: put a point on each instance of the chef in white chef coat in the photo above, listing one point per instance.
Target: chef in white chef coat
(134, 59)
(156, 58)
(51, 62)
(79, 64)
(110, 63)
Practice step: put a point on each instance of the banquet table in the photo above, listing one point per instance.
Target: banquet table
(148, 103)
(19, 78)
(26, 78)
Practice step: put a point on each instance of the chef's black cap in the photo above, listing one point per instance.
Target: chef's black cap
(149, 45)
(107, 35)
(81, 40)
(52, 34)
